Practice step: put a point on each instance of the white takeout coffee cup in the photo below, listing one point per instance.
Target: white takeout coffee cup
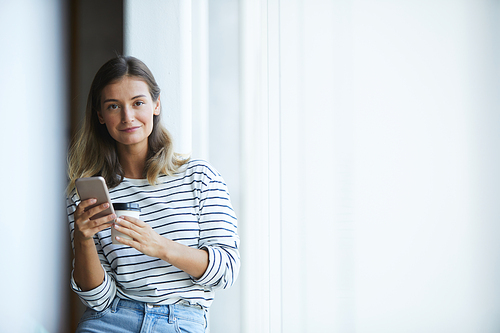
(124, 209)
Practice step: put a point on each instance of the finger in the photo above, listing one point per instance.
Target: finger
(132, 220)
(80, 208)
(128, 242)
(105, 220)
(136, 224)
(88, 214)
(86, 203)
(89, 228)
(87, 231)
(132, 243)
(126, 230)
(102, 227)
(96, 210)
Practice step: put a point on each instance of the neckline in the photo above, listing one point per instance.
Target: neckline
(140, 181)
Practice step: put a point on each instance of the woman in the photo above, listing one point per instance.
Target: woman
(185, 244)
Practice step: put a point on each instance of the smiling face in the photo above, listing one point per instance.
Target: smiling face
(127, 110)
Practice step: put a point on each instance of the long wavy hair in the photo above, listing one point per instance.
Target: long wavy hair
(93, 152)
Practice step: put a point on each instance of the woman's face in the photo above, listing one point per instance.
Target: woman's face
(127, 110)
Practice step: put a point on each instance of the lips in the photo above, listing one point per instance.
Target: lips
(130, 129)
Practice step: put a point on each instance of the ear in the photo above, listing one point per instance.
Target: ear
(157, 109)
(101, 119)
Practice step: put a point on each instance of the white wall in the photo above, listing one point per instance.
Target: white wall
(33, 143)
(371, 144)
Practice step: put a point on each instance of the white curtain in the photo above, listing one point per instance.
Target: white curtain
(370, 144)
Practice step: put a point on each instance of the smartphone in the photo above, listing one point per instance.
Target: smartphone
(94, 187)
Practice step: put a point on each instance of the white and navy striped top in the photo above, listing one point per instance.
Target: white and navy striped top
(192, 208)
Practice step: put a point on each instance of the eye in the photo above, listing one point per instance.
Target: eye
(112, 106)
(139, 103)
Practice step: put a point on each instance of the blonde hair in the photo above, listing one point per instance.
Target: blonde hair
(93, 152)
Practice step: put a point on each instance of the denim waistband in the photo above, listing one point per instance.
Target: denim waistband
(135, 314)
(167, 310)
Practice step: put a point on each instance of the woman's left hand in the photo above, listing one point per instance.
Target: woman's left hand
(144, 238)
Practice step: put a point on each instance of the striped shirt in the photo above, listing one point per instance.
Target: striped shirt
(192, 208)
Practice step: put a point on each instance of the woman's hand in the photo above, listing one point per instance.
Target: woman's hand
(144, 239)
(85, 226)
(88, 272)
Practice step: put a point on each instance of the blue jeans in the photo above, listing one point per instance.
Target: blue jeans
(130, 316)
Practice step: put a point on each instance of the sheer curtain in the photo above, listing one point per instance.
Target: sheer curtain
(369, 147)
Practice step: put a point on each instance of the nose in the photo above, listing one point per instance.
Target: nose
(127, 115)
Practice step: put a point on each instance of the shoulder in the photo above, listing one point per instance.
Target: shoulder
(200, 167)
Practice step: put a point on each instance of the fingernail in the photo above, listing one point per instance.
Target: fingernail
(93, 201)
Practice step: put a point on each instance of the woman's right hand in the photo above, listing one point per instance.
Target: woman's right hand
(85, 226)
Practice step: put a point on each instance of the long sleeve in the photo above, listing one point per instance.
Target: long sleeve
(218, 233)
(100, 297)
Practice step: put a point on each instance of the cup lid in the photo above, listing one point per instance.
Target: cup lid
(126, 206)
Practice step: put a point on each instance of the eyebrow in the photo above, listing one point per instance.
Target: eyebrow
(115, 100)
